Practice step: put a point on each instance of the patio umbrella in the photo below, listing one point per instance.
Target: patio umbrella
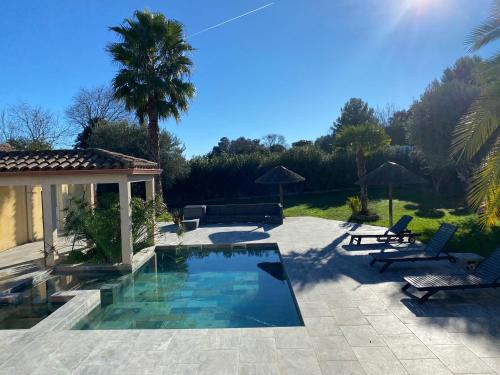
(390, 174)
(279, 176)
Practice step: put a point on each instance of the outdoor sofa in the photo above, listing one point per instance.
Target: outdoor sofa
(432, 251)
(397, 232)
(268, 213)
(486, 275)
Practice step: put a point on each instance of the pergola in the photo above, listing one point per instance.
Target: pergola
(52, 169)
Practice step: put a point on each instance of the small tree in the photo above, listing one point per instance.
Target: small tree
(354, 112)
(272, 140)
(362, 140)
(91, 107)
(32, 128)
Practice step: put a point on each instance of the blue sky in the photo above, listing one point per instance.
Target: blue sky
(286, 69)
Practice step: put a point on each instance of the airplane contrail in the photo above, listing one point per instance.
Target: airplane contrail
(230, 20)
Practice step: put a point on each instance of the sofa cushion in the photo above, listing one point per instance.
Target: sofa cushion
(245, 209)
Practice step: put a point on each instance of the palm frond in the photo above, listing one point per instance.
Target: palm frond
(476, 128)
(484, 191)
(486, 32)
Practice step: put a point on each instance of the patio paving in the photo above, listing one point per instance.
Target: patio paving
(357, 321)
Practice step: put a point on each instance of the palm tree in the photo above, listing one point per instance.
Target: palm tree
(477, 136)
(362, 140)
(153, 55)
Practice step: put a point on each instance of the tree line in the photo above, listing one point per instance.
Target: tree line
(450, 133)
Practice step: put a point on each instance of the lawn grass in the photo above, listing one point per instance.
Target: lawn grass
(428, 209)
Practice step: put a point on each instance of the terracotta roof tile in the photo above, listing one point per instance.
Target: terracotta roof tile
(69, 160)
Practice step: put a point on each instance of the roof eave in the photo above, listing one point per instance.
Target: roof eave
(62, 172)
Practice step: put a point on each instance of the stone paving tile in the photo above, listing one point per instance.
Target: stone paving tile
(258, 369)
(292, 338)
(374, 308)
(94, 369)
(349, 316)
(344, 302)
(408, 346)
(425, 367)
(257, 332)
(379, 361)
(314, 309)
(221, 362)
(388, 325)
(133, 368)
(342, 368)
(152, 340)
(28, 360)
(110, 352)
(482, 345)
(183, 350)
(460, 359)
(223, 339)
(298, 362)
(332, 348)
(494, 363)
(177, 369)
(434, 335)
(322, 326)
(363, 335)
(257, 350)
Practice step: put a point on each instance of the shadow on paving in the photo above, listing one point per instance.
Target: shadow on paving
(471, 312)
(237, 236)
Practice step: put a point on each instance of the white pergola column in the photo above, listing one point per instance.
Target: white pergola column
(89, 192)
(29, 212)
(126, 222)
(49, 227)
(150, 196)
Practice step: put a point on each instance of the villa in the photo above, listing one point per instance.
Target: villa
(330, 205)
(295, 298)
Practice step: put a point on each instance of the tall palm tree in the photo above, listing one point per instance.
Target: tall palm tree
(477, 136)
(153, 55)
(362, 140)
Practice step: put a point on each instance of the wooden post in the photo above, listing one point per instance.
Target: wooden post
(49, 229)
(281, 194)
(150, 196)
(126, 222)
(390, 205)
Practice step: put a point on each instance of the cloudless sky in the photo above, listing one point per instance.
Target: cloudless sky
(285, 69)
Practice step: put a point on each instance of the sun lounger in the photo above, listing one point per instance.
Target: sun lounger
(432, 251)
(486, 275)
(397, 232)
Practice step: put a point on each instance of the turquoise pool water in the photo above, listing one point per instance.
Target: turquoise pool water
(195, 288)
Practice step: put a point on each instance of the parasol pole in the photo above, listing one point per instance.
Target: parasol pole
(390, 205)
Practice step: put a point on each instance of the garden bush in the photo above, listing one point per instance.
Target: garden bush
(233, 176)
(96, 229)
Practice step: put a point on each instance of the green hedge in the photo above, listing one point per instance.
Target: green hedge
(233, 176)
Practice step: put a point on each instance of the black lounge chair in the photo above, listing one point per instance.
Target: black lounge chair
(432, 251)
(397, 232)
(486, 275)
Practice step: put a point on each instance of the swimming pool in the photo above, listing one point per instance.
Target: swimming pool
(202, 288)
(35, 304)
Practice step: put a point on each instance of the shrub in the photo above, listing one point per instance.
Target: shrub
(233, 176)
(97, 229)
(354, 203)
